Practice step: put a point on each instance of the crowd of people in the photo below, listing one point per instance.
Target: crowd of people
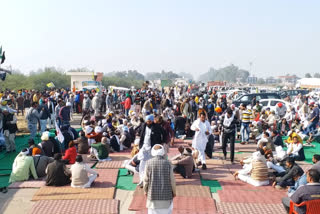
(147, 122)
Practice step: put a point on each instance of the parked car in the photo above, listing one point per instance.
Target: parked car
(293, 93)
(247, 98)
(272, 103)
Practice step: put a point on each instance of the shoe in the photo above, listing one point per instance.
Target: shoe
(278, 187)
(204, 166)
(243, 143)
(199, 163)
(4, 190)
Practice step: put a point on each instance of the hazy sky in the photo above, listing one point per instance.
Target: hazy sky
(278, 36)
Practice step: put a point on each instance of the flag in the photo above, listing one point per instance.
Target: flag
(3, 76)
(59, 134)
(3, 57)
(50, 85)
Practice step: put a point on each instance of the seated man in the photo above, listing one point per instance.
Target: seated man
(255, 173)
(100, 150)
(82, 142)
(184, 165)
(298, 178)
(80, 171)
(47, 145)
(57, 172)
(286, 178)
(132, 165)
(71, 154)
(308, 192)
(276, 138)
(40, 162)
(33, 145)
(22, 166)
(295, 150)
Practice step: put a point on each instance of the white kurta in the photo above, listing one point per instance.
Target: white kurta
(200, 139)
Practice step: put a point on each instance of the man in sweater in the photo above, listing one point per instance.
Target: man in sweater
(33, 118)
(40, 162)
(159, 184)
(57, 172)
(80, 171)
(22, 166)
(246, 119)
(308, 192)
(10, 128)
(184, 164)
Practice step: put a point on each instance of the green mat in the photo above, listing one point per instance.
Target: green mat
(124, 181)
(310, 151)
(214, 185)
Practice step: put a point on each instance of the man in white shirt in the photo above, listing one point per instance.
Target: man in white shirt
(79, 173)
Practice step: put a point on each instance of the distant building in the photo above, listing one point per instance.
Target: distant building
(85, 80)
(288, 80)
(271, 80)
(252, 80)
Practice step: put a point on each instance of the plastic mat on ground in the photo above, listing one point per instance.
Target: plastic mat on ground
(124, 181)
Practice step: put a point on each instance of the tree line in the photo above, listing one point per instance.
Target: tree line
(39, 79)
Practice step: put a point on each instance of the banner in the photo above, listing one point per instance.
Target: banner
(59, 134)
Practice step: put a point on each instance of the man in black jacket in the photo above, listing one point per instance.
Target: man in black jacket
(286, 178)
(229, 131)
(152, 133)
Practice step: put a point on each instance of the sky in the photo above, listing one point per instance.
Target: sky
(277, 36)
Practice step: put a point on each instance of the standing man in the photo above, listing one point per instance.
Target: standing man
(65, 114)
(9, 129)
(151, 134)
(159, 184)
(202, 128)
(86, 106)
(313, 118)
(137, 102)
(229, 133)
(33, 119)
(246, 119)
(44, 115)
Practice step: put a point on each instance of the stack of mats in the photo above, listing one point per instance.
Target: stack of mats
(98, 199)
(190, 198)
(240, 197)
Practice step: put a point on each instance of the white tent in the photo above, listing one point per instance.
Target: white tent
(308, 83)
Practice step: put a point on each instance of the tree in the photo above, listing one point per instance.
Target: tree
(261, 81)
(308, 75)
(229, 73)
(316, 75)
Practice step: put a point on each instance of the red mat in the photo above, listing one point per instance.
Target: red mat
(194, 180)
(109, 165)
(250, 208)
(240, 185)
(107, 178)
(136, 178)
(193, 191)
(175, 211)
(220, 173)
(203, 205)
(99, 206)
(27, 184)
(250, 196)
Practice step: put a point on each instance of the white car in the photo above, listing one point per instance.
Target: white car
(272, 103)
